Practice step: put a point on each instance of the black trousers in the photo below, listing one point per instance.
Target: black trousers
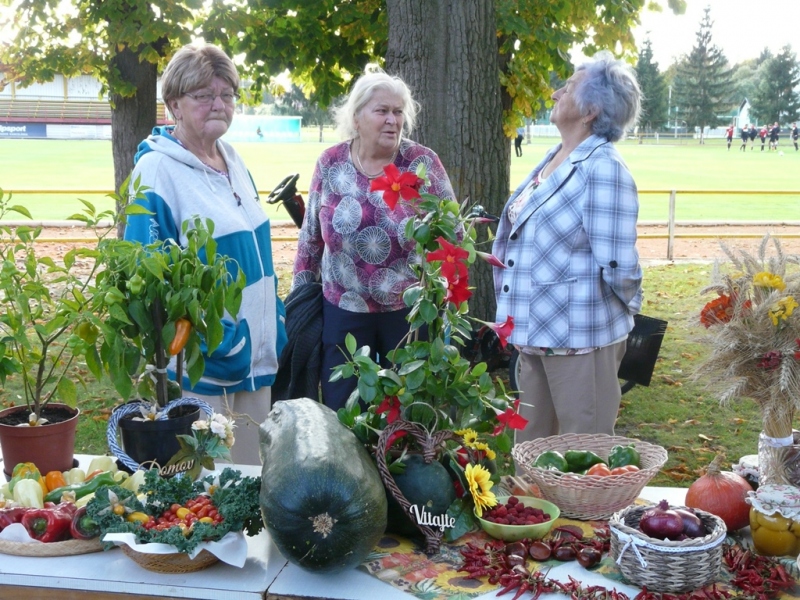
(382, 332)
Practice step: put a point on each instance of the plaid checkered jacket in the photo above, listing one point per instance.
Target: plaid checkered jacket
(572, 276)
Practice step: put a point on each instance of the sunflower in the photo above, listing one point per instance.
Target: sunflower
(480, 485)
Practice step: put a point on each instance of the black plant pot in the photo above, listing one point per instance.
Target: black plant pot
(148, 441)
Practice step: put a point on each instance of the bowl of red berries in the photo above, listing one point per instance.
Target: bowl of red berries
(517, 518)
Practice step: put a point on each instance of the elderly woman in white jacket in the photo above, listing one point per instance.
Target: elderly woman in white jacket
(572, 280)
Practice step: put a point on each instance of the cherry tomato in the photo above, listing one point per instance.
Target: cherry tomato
(625, 469)
(599, 469)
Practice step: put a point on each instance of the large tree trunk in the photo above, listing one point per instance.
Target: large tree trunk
(133, 118)
(446, 51)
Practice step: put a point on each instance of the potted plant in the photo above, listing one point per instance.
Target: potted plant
(754, 334)
(430, 385)
(44, 331)
(163, 306)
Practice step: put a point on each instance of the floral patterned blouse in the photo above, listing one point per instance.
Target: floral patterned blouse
(352, 241)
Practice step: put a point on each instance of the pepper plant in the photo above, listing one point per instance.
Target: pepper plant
(44, 323)
(161, 300)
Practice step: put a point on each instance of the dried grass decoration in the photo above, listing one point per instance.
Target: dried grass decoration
(754, 333)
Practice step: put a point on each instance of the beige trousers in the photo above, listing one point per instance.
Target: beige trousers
(570, 394)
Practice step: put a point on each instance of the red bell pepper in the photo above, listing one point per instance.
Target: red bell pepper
(12, 515)
(83, 526)
(49, 524)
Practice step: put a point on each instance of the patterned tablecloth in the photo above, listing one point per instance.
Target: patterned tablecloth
(403, 564)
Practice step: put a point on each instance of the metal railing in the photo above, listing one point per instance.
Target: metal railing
(671, 222)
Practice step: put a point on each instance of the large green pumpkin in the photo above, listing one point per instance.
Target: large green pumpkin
(322, 498)
(426, 485)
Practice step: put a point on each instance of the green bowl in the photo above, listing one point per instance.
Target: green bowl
(514, 533)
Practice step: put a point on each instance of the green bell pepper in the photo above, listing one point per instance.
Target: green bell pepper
(622, 456)
(82, 489)
(580, 460)
(552, 460)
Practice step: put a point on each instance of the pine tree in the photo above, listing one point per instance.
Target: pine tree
(776, 98)
(654, 90)
(704, 83)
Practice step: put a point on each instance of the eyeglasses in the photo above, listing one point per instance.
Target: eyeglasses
(207, 99)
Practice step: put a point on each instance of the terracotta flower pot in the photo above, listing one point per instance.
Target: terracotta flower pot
(50, 447)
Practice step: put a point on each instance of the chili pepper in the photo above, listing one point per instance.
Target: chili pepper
(26, 470)
(183, 327)
(622, 456)
(83, 527)
(49, 524)
(551, 460)
(9, 516)
(82, 489)
(28, 492)
(54, 479)
(92, 474)
(580, 460)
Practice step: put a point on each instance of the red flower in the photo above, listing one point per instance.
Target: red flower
(390, 404)
(491, 259)
(770, 361)
(457, 291)
(394, 437)
(797, 352)
(503, 330)
(452, 258)
(511, 419)
(719, 310)
(396, 185)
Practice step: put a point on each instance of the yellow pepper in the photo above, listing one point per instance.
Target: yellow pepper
(103, 463)
(27, 470)
(28, 492)
(74, 475)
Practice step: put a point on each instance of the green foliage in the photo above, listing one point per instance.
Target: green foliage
(44, 322)
(776, 98)
(144, 290)
(429, 382)
(654, 90)
(704, 84)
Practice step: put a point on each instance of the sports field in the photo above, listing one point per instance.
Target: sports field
(87, 165)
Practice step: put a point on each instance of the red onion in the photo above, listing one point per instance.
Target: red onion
(692, 525)
(661, 522)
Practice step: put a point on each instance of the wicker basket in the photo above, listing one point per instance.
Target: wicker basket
(585, 497)
(662, 565)
(177, 562)
(65, 548)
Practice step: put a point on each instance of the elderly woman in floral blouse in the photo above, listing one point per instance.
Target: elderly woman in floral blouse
(350, 239)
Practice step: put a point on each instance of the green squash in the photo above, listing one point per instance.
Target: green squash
(322, 498)
(427, 485)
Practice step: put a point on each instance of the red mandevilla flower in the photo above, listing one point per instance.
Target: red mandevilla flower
(396, 185)
(503, 330)
(457, 291)
(491, 259)
(452, 257)
(391, 405)
(511, 419)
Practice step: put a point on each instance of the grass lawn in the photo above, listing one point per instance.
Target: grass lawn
(87, 165)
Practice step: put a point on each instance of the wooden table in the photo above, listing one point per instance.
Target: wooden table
(266, 575)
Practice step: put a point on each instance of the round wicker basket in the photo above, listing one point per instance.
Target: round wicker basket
(663, 565)
(65, 548)
(585, 497)
(177, 562)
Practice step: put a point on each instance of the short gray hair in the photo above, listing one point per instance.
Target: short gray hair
(373, 80)
(610, 88)
(193, 67)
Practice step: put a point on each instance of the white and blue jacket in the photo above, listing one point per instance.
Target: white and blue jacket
(181, 186)
(573, 278)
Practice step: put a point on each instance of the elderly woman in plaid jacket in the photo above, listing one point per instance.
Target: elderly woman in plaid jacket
(572, 280)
